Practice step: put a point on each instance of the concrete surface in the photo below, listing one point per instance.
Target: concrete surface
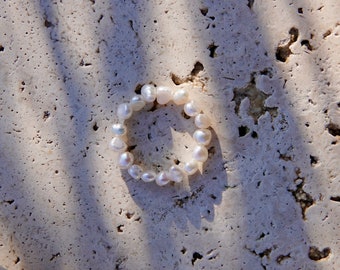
(267, 74)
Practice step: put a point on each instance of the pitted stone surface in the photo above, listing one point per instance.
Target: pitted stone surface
(266, 74)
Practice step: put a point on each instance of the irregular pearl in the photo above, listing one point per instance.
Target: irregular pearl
(164, 94)
(191, 167)
(148, 176)
(149, 92)
(118, 145)
(191, 108)
(180, 97)
(162, 178)
(202, 121)
(124, 111)
(135, 171)
(137, 103)
(125, 160)
(119, 129)
(177, 174)
(202, 136)
(200, 153)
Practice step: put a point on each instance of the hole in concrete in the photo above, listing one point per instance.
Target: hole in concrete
(315, 254)
(313, 160)
(95, 126)
(17, 260)
(294, 34)
(211, 151)
(176, 79)
(204, 11)
(198, 67)
(196, 256)
(212, 48)
(282, 53)
(183, 250)
(185, 115)
(129, 215)
(1, 48)
(281, 258)
(54, 256)
(120, 228)
(300, 10)
(131, 147)
(333, 129)
(138, 89)
(46, 115)
(303, 198)
(257, 99)
(306, 43)
(327, 33)
(100, 18)
(243, 130)
(48, 24)
(335, 198)
(250, 3)
(254, 135)
(266, 253)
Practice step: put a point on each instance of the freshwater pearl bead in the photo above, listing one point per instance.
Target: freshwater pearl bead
(149, 92)
(180, 97)
(202, 121)
(162, 178)
(137, 103)
(125, 160)
(200, 153)
(191, 167)
(202, 136)
(135, 172)
(119, 129)
(191, 108)
(177, 174)
(124, 111)
(148, 176)
(164, 95)
(118, 145)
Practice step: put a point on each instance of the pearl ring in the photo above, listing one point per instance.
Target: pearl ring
(162, 95)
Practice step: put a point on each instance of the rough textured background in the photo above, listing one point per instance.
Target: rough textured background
(266, 72)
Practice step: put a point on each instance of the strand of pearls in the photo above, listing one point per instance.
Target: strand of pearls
(162, 95)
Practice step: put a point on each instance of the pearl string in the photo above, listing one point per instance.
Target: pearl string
(162, 95)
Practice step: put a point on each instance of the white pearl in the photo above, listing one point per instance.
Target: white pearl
(148, 176)
(162, 178)
(118, 145)
(200, 153)
(202, 121)
(125, 160)
(177, 174)
(135, 171)
(191, 108)
(180, 97)
(202, 136)
(149, 92)
(119, 129)
(124, 111)
(164, 95)
(191, 167)
(137, 103)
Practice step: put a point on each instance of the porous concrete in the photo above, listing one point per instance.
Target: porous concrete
(267, 74)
